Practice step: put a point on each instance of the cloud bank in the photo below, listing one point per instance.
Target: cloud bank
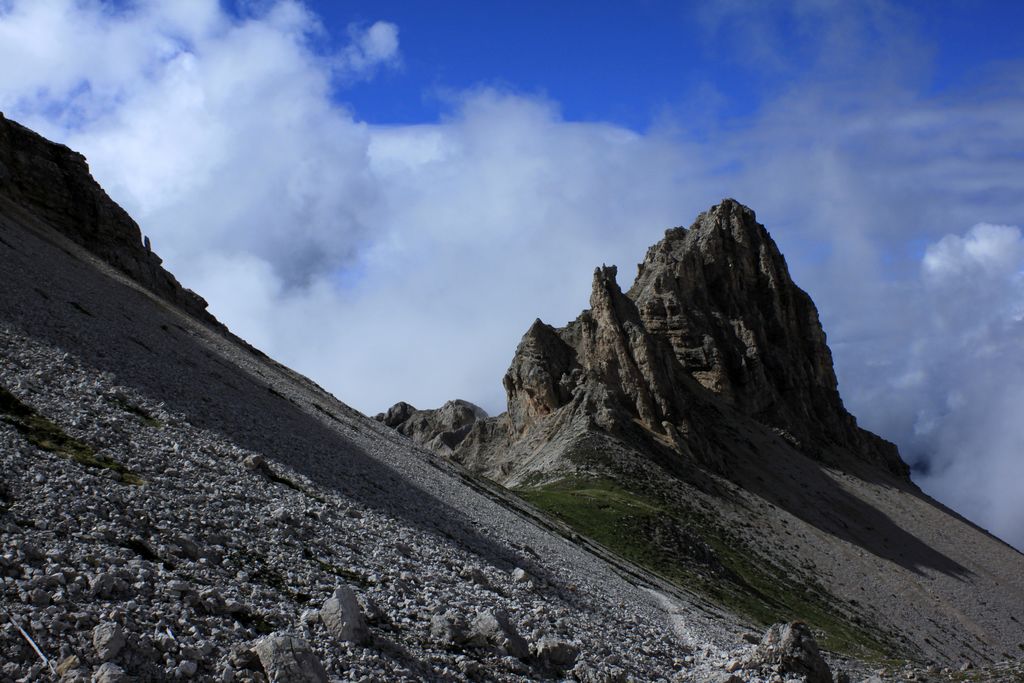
(947, 381)
(404, 262)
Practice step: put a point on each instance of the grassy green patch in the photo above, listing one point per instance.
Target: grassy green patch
(688, 548)
(44, 434)
(135, 410)
(599, 509)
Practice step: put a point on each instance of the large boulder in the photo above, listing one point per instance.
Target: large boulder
(289, 659)
(108, 639)
(449, 628)
(343, 617)
(555, 653)
(790, 648)
(493, 629)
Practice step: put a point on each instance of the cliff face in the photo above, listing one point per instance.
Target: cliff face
(720, 294)
(713, 318)
(713, 331)
(53, 183)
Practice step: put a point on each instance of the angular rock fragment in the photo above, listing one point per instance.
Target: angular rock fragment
(790, 648)
(108, 639)
(343, 617)
(187, 668)
(289, 659)
(520, 575)
(109, 672)
(449, 627)
(493, 628)
(556, 653)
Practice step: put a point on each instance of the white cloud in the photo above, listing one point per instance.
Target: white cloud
(950, 382)
(370, 49)
(986, 251)
(405, 262)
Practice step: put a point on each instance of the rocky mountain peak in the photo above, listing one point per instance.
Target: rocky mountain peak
(713, 322)
(441, 429)
(720, 293)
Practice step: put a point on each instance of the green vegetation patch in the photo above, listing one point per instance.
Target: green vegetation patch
(44, 434)
(144, 416)
(602, 511)
(686, 547)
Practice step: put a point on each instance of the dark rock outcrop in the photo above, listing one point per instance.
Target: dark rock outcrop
(396, 414)
(541, 378)
(53, 183)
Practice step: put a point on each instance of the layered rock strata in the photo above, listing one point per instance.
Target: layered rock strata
(713, 330)
(51, 183)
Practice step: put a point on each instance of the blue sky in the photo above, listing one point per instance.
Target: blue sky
(636, 63)
(384, 195)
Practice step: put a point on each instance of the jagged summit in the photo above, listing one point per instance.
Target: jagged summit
(721, 295)
(713, 323)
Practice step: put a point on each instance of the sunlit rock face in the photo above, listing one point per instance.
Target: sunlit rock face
(713, 323)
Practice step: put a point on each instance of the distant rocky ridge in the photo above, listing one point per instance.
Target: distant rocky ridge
(52, 182)
(440, 429)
